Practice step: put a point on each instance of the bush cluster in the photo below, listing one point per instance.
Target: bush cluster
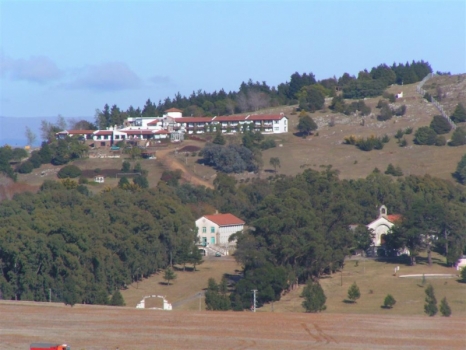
(367, 144)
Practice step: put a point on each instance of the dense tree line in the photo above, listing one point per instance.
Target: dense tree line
(84, 248)
(302, 89)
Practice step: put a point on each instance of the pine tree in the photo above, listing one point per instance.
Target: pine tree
(445, 309)
(219, 139)
(314, 297)
(389, 301)
(117, 299)
(169, 275)
(353, 292)
(430, 307)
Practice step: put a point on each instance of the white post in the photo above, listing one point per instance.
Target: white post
(254, 291)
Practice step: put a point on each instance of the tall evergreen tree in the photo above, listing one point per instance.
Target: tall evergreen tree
(314, 297)
(430, 307)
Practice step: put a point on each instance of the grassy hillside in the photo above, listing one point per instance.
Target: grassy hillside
(325, 147)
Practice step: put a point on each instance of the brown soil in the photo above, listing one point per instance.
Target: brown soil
(98, 327)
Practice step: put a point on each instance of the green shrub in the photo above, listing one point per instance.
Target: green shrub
(385, 113)
(400, 111)
(445, 309)
(314, 297)
(409, 131)
(389, 301)
(458, 138)
(25, 167)
(83, 180)
(428, 97)
(463, 274)
(353, 292)
(69, 171)
(425, 136)
(459, 114)
(395, 171)
(440, 125)
(35, 159)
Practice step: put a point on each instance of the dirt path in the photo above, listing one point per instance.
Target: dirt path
(172, 164)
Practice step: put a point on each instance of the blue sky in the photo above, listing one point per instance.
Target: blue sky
(71, 57)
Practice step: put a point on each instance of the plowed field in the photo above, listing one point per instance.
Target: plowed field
(98, 327)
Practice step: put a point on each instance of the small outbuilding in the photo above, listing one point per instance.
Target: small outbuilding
(99, 179)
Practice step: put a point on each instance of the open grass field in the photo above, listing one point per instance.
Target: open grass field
(375, 280)
(182, 292)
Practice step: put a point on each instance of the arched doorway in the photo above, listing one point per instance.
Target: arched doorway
(383, 238)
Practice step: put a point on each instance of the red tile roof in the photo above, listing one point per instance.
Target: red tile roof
(154, 122)
(173, 110)
(225, 219)
(266, 117)
(104, 132)
(230, 118)
(394, 217)
(161, 132)
(193, 120)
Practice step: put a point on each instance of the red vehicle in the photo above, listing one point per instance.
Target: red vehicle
(48, 346)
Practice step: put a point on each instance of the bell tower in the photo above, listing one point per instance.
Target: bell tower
(383, 212)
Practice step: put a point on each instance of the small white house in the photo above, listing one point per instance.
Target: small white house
(399, 94)
(217, 228)
(382, 225)
(99, 179)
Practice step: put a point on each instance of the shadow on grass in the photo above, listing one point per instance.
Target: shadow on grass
(386, 307)
(347, 301)
(165, 283)
(233, 278)
(404, 259)
(187, 268)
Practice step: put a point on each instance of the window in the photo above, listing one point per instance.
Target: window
(204, 230)
(275, 121)
(277, 128)
(212, 229)
(285, 121)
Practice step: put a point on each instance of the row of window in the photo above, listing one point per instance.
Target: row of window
(212, 229)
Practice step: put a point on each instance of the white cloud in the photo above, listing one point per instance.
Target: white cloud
(109, 76)
(37, 69)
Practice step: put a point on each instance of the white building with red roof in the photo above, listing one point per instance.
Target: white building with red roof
(382, 225)
(231, 124)
(217, 228)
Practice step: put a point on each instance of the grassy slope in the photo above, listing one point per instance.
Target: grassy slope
(375, 281)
